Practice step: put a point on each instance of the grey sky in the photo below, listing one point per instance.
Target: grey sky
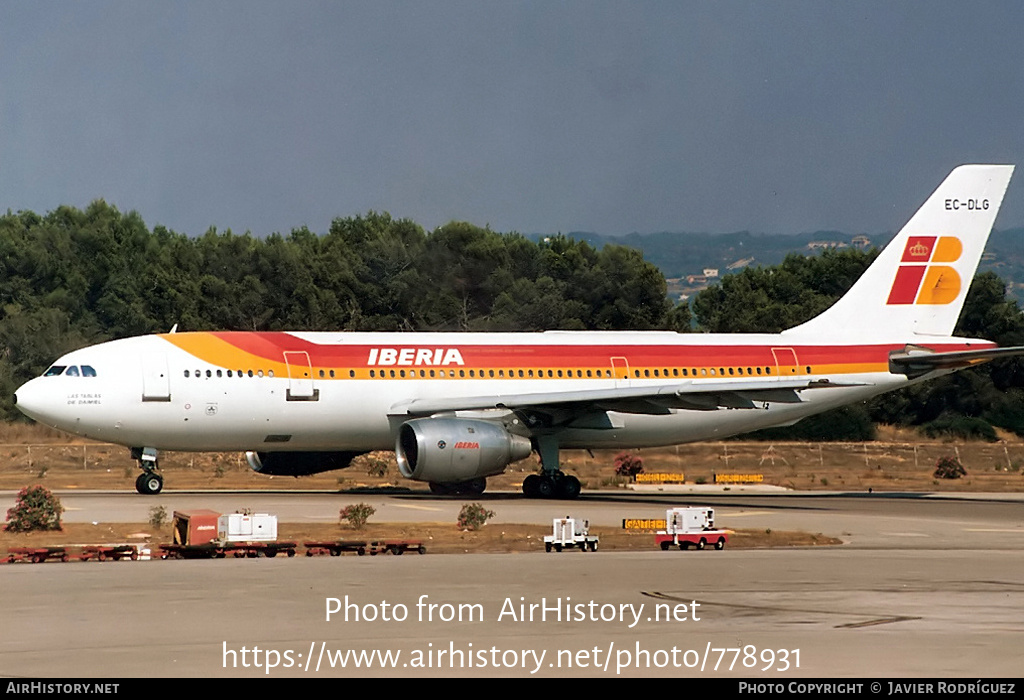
(532, 116)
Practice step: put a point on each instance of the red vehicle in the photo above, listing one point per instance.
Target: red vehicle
(686, 527)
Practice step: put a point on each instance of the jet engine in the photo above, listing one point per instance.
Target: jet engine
(448, 450)
(298, 463)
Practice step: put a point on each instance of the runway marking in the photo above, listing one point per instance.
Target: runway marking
(905, 534)
(776, 608)
(746, 513)
(993, 529)
(879, 621)
(405, 505)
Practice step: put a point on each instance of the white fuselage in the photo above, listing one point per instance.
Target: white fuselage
(149, 391)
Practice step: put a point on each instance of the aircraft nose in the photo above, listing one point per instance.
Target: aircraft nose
(30, 399)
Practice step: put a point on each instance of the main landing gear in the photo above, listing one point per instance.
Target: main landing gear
(149, 481)
(552, 482)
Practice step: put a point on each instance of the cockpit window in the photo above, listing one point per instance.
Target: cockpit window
(71, 371)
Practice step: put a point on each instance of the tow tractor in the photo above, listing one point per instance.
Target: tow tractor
(568, 533)
(693, 526)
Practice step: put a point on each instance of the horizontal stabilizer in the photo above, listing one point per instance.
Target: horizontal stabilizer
(915, 361)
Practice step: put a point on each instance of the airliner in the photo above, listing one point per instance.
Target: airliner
(459, 407)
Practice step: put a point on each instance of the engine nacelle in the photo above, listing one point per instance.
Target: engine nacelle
(448, 450)
(298, 463)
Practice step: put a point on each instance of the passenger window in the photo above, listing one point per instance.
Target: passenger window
(72, 371)
(186, 374)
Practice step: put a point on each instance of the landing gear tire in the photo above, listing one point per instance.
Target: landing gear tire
(149, 483)
(530, 486)
(556, 485)
(546, 487)
(569, 488)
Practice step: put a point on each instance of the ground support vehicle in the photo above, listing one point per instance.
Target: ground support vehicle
(102, 552)
(36, 555)
(216, 549)
(568, 533)
(206, 534)
(337, 547)
(691, 527)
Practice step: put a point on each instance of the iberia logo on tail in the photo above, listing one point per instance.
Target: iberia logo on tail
(919, 280)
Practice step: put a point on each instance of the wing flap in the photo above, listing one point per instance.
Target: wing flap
(654, 400)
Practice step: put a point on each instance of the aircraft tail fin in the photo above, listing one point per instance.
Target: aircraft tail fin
(918, 283)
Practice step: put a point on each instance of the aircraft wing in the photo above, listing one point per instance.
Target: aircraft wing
(914, 361)
(655, 400)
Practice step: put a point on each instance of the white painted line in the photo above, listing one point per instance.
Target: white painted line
(904, 534)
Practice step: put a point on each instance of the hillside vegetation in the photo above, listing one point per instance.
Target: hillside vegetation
(70, 278)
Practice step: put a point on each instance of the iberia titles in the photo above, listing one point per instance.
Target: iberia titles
(428, 357)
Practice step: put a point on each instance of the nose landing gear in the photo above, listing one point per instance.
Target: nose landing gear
(149, 481)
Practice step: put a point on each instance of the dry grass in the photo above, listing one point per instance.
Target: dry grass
(437, 537)
(902, 461)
